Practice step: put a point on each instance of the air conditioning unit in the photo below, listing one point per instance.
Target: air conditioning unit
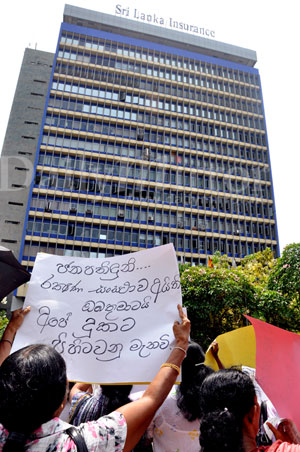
(121, 213)
(122, 96)
(180, 224)
(202, 227)
(89, 212)
(150, 218)
(73, 209)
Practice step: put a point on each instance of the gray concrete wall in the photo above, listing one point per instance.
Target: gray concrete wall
(20, 145)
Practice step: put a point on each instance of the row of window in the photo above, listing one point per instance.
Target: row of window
(106, 187)
(32, 248)
(169, 198)
(157, 217)
(134, 150)
(152, 135)
(158, 86)
(176, 122)
(155, 56)
(160, 72)
(134, 237)
(163, 120)
(144, 99)
(133, 169)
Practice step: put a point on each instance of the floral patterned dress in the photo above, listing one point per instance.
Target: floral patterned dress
(107, 434)
(170, 431)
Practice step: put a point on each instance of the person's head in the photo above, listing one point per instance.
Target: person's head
(193, 373)
(194, 355)
(32, 388)
(226, 397)
(117, 395)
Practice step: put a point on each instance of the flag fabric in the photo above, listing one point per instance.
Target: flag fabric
(236, 348)
(277, 367)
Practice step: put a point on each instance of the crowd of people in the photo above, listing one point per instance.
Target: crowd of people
(209, 411)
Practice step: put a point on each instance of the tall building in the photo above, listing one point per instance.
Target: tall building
(149, 136)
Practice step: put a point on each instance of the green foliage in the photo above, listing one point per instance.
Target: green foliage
(183, 267)
(274, 308)
(216, 299)
(285, 276)
(261, 286)
(221, 260)
(257, 267)
(3, 322)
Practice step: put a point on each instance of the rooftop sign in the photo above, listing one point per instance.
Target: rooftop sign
(168, 22)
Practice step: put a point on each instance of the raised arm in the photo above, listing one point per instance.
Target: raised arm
(10, 332)
(214, 349)
(139, 414)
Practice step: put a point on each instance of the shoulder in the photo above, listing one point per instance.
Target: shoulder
(107, 432)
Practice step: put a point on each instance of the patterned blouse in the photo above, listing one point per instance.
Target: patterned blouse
(106, 434)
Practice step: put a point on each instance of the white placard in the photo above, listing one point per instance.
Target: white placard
(111, 318)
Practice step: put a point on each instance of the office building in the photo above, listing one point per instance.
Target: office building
(149, 135)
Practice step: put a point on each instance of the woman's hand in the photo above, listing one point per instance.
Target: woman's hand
(214, 348)
(17, 318)
(286, 431)
(182, 330)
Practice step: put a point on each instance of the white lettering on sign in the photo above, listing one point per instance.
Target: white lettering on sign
(156, 19)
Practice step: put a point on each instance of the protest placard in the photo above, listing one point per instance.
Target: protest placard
(111, 319)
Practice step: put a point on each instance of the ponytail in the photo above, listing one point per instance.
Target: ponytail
(220, 430)
(193, 373)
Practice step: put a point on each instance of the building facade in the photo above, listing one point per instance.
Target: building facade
(149, 136)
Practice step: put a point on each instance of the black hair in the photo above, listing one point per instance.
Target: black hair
(193, 373)
(117, 395)
(32, 387)
(226, 397)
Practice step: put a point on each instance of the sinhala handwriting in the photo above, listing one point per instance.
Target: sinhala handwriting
(107, 270)
(105, 351)
(157, 286)
(44, 319)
